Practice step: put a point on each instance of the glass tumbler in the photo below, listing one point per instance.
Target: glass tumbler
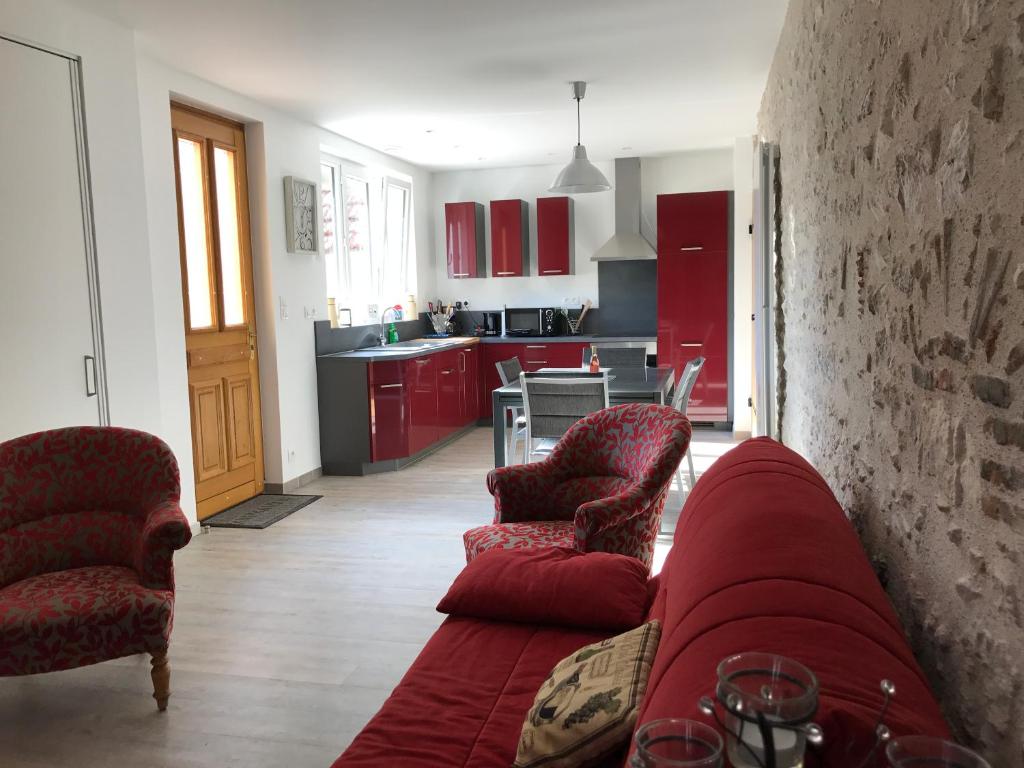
(930, 752)
(763, 687)
(677, 743)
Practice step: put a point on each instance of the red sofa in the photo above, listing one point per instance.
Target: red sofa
(764, 559)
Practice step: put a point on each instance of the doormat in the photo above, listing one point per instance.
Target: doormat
(260, 511)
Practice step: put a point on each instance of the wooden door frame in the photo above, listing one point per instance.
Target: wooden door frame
(249, 331)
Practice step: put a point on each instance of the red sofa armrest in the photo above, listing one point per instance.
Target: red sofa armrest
(165, 530)
(523, 492)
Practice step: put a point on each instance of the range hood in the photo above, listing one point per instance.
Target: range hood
(628, 243)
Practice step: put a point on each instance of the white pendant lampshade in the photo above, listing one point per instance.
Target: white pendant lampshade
(580, 175)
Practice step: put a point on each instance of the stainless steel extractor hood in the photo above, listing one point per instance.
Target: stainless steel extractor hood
(628, 242)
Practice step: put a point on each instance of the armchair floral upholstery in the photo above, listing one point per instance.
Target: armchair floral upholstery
(602, 488)
(89, 521)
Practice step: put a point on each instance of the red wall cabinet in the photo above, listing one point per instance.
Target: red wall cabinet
(510, 238)
(464, 229)
(693, 294)
(389, 412)
(556, 236)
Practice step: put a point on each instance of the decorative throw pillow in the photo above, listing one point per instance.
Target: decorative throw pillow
(552, 585)
(587, 708)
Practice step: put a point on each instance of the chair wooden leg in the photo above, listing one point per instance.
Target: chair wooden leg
(161, 674)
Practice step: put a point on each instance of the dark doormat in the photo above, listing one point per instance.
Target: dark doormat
(260, 511)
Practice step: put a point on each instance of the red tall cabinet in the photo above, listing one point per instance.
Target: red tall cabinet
(556, 236)
(464, 231)
(693, 294)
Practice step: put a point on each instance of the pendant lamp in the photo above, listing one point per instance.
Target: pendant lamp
(580, 175)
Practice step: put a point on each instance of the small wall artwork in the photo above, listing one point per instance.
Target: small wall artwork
(300, 204)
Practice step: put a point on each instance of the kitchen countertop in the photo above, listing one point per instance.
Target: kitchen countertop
(406, 350)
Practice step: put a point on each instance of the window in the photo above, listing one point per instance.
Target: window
(367, 239)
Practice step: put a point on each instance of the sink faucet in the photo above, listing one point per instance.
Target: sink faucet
(382, 338)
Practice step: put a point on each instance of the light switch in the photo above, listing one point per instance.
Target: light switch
(284, 307)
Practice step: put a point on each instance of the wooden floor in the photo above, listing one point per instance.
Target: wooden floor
(286, 640)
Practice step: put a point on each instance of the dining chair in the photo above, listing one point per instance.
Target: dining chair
(552, 404)
(618, 356)
(508, 372)
(680, 401)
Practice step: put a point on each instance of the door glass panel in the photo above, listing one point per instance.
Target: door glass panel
(193, 221)
(227, 226)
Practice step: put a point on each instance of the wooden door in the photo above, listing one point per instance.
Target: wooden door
(49, 311)
(220, 318)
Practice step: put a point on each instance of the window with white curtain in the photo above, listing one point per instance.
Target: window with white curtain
(367, 236)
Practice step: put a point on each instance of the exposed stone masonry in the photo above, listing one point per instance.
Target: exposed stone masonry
(901, 127)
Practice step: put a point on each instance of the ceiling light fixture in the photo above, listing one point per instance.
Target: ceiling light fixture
(580, 175)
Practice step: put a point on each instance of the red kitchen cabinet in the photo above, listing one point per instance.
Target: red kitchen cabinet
(693, 222)
(448, 396)
(389, 414)
(510, 238)
(421, 386)
(556, 236)
(464, 229)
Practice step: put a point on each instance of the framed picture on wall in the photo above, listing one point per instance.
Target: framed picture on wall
(300, 204)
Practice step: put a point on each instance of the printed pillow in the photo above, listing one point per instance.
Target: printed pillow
(551, 585)
(588, 706)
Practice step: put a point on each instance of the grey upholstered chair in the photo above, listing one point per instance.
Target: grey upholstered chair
(680, 401)
(554, 403)
(508, 371)
(618, 356)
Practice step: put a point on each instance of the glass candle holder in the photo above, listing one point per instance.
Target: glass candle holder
(931, 752)
(766, 696)
(677, 743)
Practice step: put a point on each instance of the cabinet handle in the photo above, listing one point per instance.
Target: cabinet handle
(422, 362)
(389, 386)
(536, 346)
(462, 362)
(461, 274)
(692, 248)
(447, 371)
(536, 362)
(553, 271)
(503, 274)
(90, 376)
(691, 344)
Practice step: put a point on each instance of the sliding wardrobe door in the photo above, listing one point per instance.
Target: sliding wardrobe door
(50, 342)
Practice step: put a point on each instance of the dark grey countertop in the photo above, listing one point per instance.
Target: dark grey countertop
(406, 350)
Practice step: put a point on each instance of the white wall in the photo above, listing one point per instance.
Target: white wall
(115, 153)
(277, 146)
(743, 283)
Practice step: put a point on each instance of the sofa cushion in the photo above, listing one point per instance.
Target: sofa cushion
(551, 586)
(464, 699)
(80, 616)
(538, 533)
(586, 709)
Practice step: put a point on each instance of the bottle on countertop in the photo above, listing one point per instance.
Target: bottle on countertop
(392, 334)
(595, 363)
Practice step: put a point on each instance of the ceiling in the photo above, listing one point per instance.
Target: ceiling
(480, 83)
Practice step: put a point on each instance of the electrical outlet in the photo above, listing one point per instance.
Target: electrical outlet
(372, 311)
(291, 454)
(283, 307)
(309, 312)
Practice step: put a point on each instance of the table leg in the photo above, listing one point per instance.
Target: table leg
(499, 431)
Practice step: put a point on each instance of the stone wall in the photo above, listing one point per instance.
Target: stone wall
(901, 127)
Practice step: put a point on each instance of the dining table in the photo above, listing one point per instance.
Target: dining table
(625, 385)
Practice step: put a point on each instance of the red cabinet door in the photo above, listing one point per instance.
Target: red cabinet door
(389, 412)
(556, 236)
(693, 222)
(448, 398)
(469, 385)
(536, 355)
(693, 319)
(510, 238)
(568, 354)
(464, 231)
(421, 386)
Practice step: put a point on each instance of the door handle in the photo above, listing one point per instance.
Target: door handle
(252, 343)
(90, 376)
(692, 248)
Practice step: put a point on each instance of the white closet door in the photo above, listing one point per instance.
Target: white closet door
(48, 371)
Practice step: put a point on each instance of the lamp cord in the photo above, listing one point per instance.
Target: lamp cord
(577, 122)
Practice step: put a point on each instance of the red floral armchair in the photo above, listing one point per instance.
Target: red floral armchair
(602, 488)
(89, 520)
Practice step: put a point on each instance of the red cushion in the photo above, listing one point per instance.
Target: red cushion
(464, 699)
(553, 585)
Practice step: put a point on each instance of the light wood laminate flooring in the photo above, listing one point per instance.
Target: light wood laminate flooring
(287, 640)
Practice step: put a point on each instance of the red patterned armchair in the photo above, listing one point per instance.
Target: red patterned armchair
(602, 488)
(89, 520)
